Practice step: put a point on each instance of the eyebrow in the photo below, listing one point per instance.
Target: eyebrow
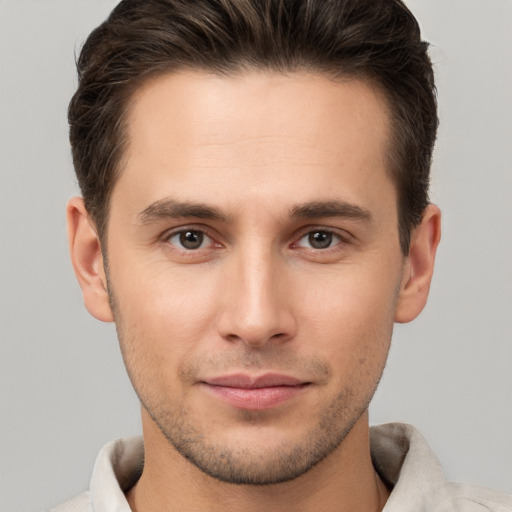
(172, 209)
(319, 209)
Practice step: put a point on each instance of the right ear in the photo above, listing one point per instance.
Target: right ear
(87, 260)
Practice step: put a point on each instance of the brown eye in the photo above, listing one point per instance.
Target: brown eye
(188, 239)
(319, 239)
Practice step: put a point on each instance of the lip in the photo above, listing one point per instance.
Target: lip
(255, 393)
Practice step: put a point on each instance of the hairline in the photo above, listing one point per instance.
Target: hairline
(129, 92)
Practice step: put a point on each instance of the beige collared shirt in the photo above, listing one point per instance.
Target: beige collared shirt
(400, 455)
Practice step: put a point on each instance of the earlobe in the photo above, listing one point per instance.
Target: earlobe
(419, 266)
(87, 260)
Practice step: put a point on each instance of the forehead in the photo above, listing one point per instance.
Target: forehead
(252, 130)
(254, 103)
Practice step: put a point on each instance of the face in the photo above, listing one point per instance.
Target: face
(254, 265)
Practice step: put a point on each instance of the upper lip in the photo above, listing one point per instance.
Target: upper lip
(242, 380)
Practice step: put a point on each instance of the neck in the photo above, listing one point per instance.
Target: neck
(343, 481)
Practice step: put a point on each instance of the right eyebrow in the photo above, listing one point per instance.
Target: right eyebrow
(318, 209)
(173, 209)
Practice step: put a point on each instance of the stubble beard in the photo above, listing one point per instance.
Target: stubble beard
(239, 464)
(222, 459)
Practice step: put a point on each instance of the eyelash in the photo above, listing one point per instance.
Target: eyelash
(331, 234)
(183, 231)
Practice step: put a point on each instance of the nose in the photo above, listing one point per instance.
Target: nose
(257, 303)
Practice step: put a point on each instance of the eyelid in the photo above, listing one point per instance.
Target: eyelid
(335, 239)
(343, 235)
(168, 234)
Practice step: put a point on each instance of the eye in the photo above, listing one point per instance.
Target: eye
(189, 239)
(319, 239)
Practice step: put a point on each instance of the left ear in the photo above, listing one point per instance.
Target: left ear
(419, 266)
(87, 259)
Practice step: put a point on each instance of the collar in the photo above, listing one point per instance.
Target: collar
(400, 456)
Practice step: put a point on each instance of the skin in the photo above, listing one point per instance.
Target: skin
(262, 166)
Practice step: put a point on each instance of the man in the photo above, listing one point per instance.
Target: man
(255, 218)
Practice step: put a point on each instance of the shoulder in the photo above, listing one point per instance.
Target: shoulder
(117, 467)
(455, 497)
(80, 503)
(404, 461)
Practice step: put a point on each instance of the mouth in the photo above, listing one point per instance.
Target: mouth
(255, 393)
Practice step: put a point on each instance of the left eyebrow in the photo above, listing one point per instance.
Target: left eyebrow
(319, 209)
(172, 209)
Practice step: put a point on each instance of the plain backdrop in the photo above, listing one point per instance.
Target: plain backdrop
(63, 390)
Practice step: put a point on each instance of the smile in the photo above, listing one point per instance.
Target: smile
(255, 393)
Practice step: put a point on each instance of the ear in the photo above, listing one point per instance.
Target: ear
(85, 249)
(419, 266)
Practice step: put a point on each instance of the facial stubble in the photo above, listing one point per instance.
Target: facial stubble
(227, 461)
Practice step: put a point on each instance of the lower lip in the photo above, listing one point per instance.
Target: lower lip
(256, 399)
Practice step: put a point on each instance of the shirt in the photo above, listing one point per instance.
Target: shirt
(400, 455)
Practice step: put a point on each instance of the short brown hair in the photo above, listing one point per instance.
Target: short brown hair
(375, 40)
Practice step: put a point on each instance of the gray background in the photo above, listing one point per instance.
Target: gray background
(63, 391)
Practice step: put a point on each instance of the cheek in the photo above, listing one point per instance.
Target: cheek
(351, 318)
(160, 296)
(158, 331)
(161, 316)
